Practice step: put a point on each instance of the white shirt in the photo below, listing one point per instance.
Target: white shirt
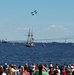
(3, 73)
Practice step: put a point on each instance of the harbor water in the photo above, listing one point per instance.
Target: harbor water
(55, 53)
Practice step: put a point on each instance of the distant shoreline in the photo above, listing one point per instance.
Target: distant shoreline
(38, 42)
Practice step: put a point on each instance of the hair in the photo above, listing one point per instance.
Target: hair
(25, 67)
(40, 69)
(9, 71)
(1, 70)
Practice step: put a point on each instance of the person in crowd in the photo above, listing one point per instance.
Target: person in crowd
(40, 71)
(58, 70)
(9, 71)
(5, 67)
(21, 69)
(36, 68)
(2, 71)
(12, 70)
(63, 70)
(25, 72)
(51, 69)
(33, 67)
(68, 70)
(29, 68)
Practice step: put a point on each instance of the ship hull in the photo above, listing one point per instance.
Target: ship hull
(29, 45)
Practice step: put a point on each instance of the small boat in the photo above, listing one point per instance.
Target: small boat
(30, 39)
(43, 45)
(4, 41)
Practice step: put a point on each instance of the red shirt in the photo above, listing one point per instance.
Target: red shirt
(63, 72)
(25, 73)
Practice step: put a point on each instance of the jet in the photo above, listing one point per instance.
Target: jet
(32, 13)
(35, 11)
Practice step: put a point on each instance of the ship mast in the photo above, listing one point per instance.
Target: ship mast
(28, 40)
(30, 36)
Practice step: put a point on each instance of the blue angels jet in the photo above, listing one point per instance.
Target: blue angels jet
(34, 12)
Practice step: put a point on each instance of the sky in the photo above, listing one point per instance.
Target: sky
(54, 19)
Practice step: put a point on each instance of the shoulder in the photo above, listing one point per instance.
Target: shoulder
(45, 73)
(36, 73)
(3, 73)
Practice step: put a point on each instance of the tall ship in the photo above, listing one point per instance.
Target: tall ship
(4, 41)
(30, 40)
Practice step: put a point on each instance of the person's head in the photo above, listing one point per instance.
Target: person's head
(26, 64)
(40, 67)
(25, 67)
(21, 69)
(1, 70)
(36, 67)
(9, 70)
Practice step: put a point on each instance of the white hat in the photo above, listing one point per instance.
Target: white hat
(72, 67)
(51, 65)
(5, 63)
(57, 67)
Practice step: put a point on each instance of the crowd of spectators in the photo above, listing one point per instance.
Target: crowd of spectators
(37, 69)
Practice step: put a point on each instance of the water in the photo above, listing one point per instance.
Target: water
(55, 53)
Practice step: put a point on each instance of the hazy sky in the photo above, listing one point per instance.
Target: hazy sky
(54, 20)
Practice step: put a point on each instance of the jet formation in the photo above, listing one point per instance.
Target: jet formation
(34, 12)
